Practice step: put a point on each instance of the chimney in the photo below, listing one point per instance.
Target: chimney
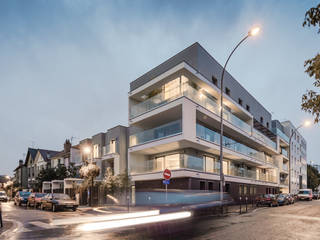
(20, 162)
(67, 145)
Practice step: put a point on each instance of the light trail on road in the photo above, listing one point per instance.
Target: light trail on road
(109, 217)
(133, 221)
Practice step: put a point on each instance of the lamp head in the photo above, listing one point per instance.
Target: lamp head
(87, 150)
(254, 31)
(307, 123)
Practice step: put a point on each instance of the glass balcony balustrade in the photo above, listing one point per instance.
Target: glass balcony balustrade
(285, 167)
(199, 96)
(211, 136)
(162, 131)
(263, 138)
(284, 152)
(198, 163)
(282, 135)
(284, 181)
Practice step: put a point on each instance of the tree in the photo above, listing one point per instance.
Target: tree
(90, 171)
(111, 182)
(48, 174)
(313, 177)
(311, 99)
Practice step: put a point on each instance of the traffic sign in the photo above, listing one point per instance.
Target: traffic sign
(167, 174)
(166, 181)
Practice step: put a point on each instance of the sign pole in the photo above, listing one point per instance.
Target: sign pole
(166, 176)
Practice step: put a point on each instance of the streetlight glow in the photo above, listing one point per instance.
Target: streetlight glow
(307, 123)
(87, 150)
(254, 31)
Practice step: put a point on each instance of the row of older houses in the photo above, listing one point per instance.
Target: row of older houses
(174, 123)
(109, 149)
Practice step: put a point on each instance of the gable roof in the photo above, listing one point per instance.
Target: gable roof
(32, 152)
(47, 154)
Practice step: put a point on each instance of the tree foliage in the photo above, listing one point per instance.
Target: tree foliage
(313, 177)
(311, 99)
(59, 173)
(89, 171)
(113, 183)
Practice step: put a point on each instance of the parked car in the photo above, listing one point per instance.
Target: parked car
(305, 194)
(55, 201)
(3, 197)
(316, 195)
(34, 199)
(21, 198)
(267, 200)
(283, 199)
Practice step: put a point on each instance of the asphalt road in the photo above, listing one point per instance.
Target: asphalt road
(298, 221)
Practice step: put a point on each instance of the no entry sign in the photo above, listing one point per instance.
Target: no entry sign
(167, 174)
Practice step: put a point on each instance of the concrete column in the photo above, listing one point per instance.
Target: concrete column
(189, 119)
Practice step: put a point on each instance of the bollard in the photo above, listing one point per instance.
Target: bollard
(240, 206)
(246, 204)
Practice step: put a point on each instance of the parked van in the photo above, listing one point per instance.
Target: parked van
(305, 194)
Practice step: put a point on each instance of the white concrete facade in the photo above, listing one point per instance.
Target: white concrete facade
(187, 119)
(298, 160)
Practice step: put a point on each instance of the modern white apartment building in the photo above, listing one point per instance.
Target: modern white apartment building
(174, 123)
(298, 152)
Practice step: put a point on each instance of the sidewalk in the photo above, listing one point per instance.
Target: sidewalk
(6, 226)
(236, 208)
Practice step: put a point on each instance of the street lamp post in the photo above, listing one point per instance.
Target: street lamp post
(305, 124)
(252, 32)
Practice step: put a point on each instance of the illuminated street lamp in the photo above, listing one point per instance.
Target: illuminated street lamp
(304, 124)
(252, 32)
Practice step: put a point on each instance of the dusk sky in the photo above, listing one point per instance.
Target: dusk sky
(65, 66)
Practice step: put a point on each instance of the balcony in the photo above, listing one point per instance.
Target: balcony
(197, 163)
(285, 167)
(284, 181)
(160, 132)
(201, 97)
(211, 136)
(282, 135)
(264, 139)
(284, 152)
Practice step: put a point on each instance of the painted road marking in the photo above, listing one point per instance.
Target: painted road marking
(42, 225)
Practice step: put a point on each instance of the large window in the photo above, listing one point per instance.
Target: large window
(172, 161)
(96, 151)
(211, 164)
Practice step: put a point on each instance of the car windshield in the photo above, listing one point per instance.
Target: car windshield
(25, 194)
(61, 196)
(2, 194)
(304, 192)
(40, 195)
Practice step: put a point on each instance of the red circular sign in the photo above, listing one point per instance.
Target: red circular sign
(167, 174)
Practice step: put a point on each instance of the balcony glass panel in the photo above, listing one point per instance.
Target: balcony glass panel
(212, 136)
(165, 130)
(173, 91)
(193, 162)
(282, 135)
(285, 167)
(284, 152)
(263, 138)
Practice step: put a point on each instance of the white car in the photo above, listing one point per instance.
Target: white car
(305, 194)
(3, 197)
